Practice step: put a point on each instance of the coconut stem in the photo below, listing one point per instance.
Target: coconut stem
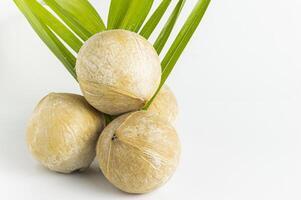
(108, 118)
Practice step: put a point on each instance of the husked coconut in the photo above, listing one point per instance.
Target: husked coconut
(63, 131)
(138, 152)
(165, 105)
(118, 71)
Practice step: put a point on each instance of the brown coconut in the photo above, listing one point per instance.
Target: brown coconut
(118, 71)
(138, 152)
(63, 131)
(165, 105)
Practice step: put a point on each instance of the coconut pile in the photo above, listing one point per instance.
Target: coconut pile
(137, 149)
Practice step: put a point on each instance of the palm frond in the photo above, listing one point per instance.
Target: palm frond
(181, 42)
(53, 43)
(183, 37)
(117, 12)
(166, 31)
(153, 21)
(136, 14)
(54, 24)
(79, 15)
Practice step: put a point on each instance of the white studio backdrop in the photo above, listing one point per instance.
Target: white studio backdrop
(239, 89)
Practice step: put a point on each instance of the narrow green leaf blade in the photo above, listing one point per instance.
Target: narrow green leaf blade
(54, 24)
(53, 43)
(166, 31)
(136, 14)
(117, 12)
(183, 37)
(181, 42)
(72, 21)
(80, 11)
(154, 20)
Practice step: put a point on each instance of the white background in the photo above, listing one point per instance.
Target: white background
(239, 89)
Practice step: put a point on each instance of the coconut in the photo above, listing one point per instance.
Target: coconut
(165, 105)
(118, 71)
(63, 131)
(138, 152)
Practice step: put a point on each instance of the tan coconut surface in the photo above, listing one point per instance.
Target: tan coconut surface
(118, 71)
(63, 131)
(138, 152)
(165, 105)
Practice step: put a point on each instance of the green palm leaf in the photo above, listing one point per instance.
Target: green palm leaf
(54, 24)
(153, 21)
(118, 9)
(181, 42)
(183, 37)
(136, 14)
(79, 15)
(79, 11)
(53, 43)
(166, 31)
